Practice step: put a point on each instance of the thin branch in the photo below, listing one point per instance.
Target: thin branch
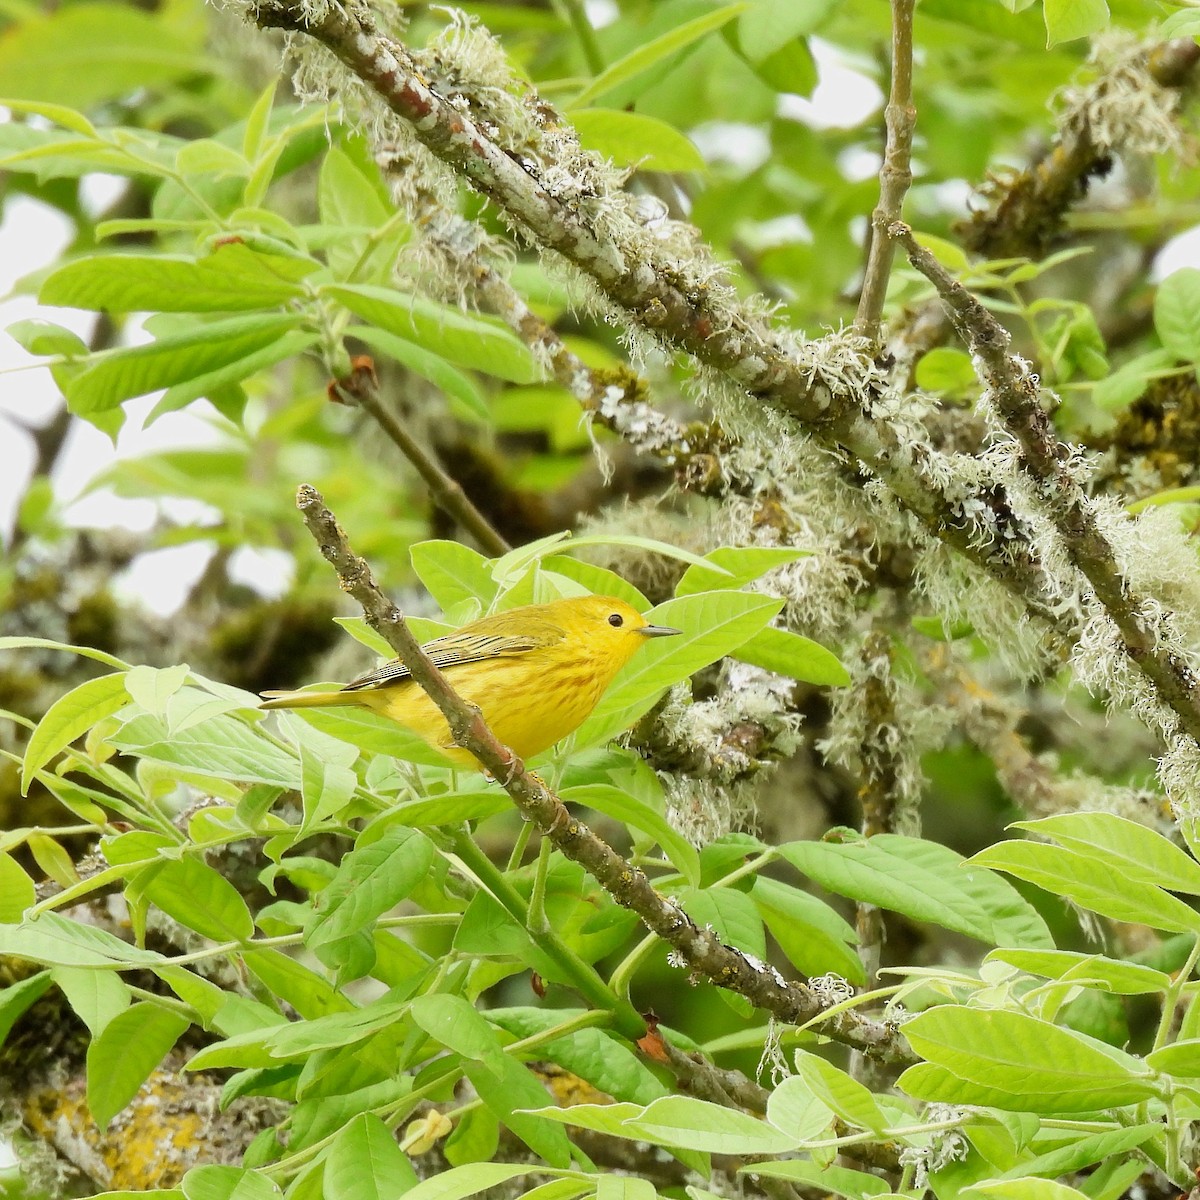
(699, 949)
(1015, 394)
(895, 174)
(361, 388)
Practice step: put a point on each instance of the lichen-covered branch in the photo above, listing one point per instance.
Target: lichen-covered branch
(832, 388)
(895, 175)
(699, 949)
(1014, 392)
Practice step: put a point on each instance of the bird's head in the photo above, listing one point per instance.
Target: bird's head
(611, 627)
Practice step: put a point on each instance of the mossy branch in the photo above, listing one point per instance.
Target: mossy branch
(1015, 394)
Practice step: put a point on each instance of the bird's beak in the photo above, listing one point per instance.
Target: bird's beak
(658, 631)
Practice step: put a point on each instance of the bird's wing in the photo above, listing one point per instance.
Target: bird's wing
(454, 649)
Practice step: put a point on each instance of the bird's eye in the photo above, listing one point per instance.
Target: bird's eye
(616, 620)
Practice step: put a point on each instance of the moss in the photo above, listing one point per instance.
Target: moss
(273, 643)
(96, 622)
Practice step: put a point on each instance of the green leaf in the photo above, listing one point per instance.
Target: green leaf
(713, 623)
(1177, 313)
(1091, 970)
(371, 732)
(1141, 853)
(364, 1163)
(452, 809)
(220, 747)
(327, 782)
(510, 567)
(1185, 23)
(37, 643)
(730, 914)
(809, 932)
(452, 1022)
(830, 1180)
(54, 57)
(228, 1183)
(119, 375)
(634, 139)
(621, 806)
(509, 1090)
(1091, 883)
(466, 400)
(767, 25)
(598, 580)
(120, 1060)
(925, 881)
(46, 339)
(653, 52)
(95, 996)
(477, 342)
(793, 1109)
(16, 999)
(71, 716)
(795, 656)
(698, 1125)
(152, 687)
(346, 197)
(223, 388)
(846, 1097)
(233, 278)
(736, 567)
(453, 573)
(947, 371)
(460, 1182)
(593, 1054)
(1070, 19)
(17, 892)
(1026, 1187)
(1017, 1052)
(196, 895)
(266, 1047)
(1083, 1151)
(370, 880)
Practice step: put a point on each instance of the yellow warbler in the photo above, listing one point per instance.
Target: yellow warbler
(535, 672)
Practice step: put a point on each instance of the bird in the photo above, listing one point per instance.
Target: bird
(535, 672)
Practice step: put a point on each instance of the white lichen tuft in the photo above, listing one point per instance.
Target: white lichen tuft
(1123, 108)
(943, 1147)
(469, 68)
(879, 728)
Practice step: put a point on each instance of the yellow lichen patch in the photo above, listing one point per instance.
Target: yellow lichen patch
(150, 1144)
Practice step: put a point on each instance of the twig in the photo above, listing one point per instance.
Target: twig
(361, 388)
(1046, 459)
(895, 174)
(699, 949)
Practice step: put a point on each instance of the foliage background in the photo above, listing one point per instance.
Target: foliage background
(278, 231)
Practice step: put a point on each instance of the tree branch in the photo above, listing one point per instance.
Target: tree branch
(895, 174)
(361, 388)
(1046, 459)
(699, 949)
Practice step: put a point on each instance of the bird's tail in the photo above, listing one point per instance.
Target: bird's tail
(307, 699)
